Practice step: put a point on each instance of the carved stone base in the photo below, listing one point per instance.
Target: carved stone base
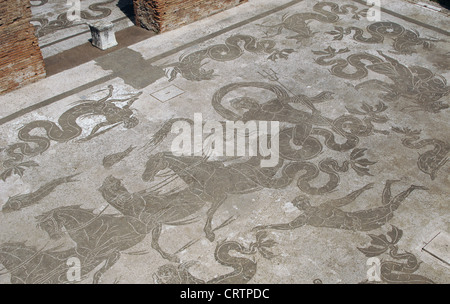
(103, 35)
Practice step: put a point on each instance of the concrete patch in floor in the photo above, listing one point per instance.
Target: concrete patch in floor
(131, 67)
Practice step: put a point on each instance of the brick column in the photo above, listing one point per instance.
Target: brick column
(21, 60)
(166, 15)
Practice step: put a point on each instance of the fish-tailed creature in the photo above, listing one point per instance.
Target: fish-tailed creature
(324, 12)
(431, 161)
(416, 84)
(404, 40)
(21, 201)
(394, 272)
(308, 125)
(330, 214)
(191, 68)
(112, 159)
(68, 129)
(246, 177)
(244, 269)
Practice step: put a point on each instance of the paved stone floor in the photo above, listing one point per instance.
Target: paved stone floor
(91, 190)
(58, 32)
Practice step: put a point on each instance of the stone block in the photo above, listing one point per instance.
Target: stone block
(103, 35)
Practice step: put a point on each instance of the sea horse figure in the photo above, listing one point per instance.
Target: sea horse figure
(394, 272)
(202, 176)
(68, 128)
(330, 214)
(190, 66)
(244, 268)
(417, 84)
(299, 23)
(331, 168)
(404, 40)
(306, 125)
(431, 161)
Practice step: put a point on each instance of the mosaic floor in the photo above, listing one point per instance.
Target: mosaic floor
(91, 191)
(58, 31)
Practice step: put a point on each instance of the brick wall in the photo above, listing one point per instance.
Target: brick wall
(165, 15)
(21, 60)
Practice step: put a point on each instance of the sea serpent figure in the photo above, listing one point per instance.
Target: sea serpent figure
(202, 176)
(404, 40)
(299, 23)
(69, 129)
(394, 272)
(190, 66)
(431, 161)
(416, 84)
(244, 269)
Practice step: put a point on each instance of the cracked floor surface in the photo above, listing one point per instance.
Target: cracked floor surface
(91, 191)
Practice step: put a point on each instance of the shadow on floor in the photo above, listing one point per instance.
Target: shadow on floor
(126, 6)
(86, 52)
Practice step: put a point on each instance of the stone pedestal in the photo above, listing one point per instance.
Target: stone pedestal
(103, 35)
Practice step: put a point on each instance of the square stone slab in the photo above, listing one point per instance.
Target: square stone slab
(168, 93)
(439, 247)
